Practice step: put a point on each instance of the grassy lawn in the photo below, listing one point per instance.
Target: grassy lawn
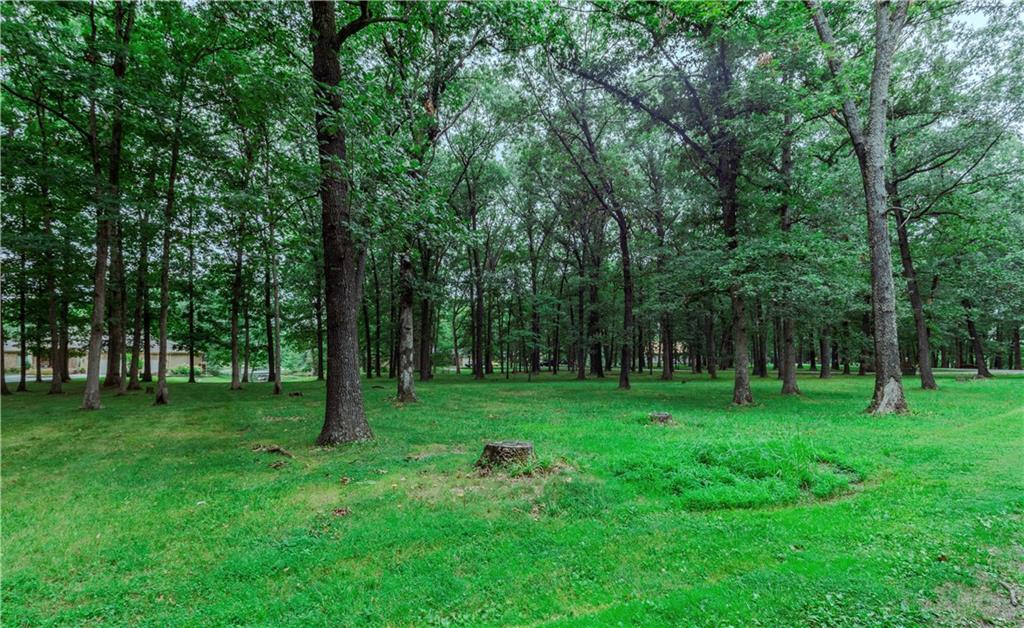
(794, 511)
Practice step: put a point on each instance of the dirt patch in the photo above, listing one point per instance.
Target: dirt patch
(433, 450)
(283, 419)
(987, 603)
(491, 485)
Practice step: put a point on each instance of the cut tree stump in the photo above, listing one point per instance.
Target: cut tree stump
(664, 418)
(297, 393)
(505, 452)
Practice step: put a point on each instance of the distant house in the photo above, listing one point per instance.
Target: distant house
(79, 358)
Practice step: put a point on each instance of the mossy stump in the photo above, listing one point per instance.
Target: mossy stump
(505, 452)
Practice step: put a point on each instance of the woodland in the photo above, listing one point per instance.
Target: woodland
(743, 265)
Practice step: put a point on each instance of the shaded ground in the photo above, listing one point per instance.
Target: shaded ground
(794, 511)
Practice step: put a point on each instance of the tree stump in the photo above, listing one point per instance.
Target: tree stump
(664, 418)
(505, 452)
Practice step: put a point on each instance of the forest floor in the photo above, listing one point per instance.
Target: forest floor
(795, 511)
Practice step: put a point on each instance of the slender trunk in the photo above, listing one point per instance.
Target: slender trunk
(789, 358)
(666, 346)
(192, 303)
(65, 355)
(406, 387)
(787, 368)
(4, 388)
(534, 312)
(865, 355)
(593, 323)
(489, 338)
(165, 258)
(825, 345)
(268, 319)
(1016, 346)
(924, 352)
(581, 333)
(710, 348)
(455, 341)
(976, 344)
(140, 289)
(236, 303)
(426, 367)
(147, 324)
(56, 383)
(627, 300)
(246, 349)
(376, 317)
(318, 312)
(277, 311)
(368, 364)
(115, 296)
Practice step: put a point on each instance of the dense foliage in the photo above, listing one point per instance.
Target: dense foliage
(520, 187)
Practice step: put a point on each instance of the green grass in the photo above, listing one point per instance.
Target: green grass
(797, 511)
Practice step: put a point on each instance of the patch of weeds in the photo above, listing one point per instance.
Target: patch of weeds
(709, 476)
(573, 498)
(534, 467)
(858, 608)
(325, 524)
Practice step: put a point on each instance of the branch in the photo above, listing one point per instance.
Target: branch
(640, 105)
(365, 19)
(57, 112)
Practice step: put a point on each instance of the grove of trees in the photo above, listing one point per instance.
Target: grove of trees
(384, 189)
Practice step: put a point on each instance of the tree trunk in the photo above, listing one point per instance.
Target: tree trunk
(165, 261)
(268, 318)
(593, 323)
(789, 384)
(277, 310)
(1016, 346)
(247, 347)
(869, 145)
(4, 388)
(455, 340)
(344, 420)
(376, 317)
(710, 350)
(741, 394)
(122, 28)
(147, 324)
(368, 364)
(65, 355)
(115, 297)
(192, 304)
(318, 314)
(489, 340)
(406, 357)
(56, 383)
(581, 332)
(976, 344)
(666, 346)
(236, 303)
(627, 300)
(140, 290)
(924, 352)
(825, 350)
